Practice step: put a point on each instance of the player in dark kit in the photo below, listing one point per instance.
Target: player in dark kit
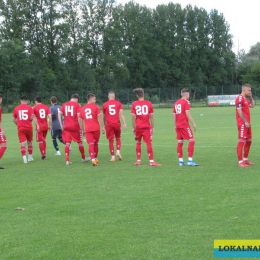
(92, 119)
(243, 124)
(71, 130)
(2, 134)
(55, 127)
(43, 114)
(143, 125)
(182, 116)
(112, 110)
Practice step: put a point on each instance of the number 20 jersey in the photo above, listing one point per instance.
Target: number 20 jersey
(179, 109)
(142, 109)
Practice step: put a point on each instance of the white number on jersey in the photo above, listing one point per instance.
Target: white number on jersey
(141, 110)
(42, 113)
(88, 113)
(111, 110)
(23, 114)
(69, 109)
(178, 109)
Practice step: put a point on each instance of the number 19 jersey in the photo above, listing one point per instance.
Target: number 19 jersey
(179, 109)
(142, 109)
(70, 112)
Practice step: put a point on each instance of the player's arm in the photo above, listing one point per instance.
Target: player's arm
(191, 119)
(15, 120)
(252, 101)
(60, 121)
(121, 112)
(49, 117)
(240, 113)
(151, 118)
(80, 121)
(34, 119)
(101, 122)
(174, 121)
(133, 122)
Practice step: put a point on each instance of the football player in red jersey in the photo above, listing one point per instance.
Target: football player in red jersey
(2, 134)
(71, 128)
(243, 125)
(112, 110)
(92, 119)
(182, 117)
(143, 125)
(43, 115)
(22, 117)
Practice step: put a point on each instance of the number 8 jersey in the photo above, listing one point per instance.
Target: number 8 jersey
(142, 109)
(179, 109)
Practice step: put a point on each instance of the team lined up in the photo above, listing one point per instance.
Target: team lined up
(70, 122)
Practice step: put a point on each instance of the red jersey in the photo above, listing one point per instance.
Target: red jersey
(70, 111)
(41, 111)
(142, 109)
(23, 113)
(111, 111)
(89, 113)
(179, 109)
(244, 104)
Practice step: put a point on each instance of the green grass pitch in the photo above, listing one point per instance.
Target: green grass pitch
(122, 211)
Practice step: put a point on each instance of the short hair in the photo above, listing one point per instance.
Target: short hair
(38, 99)
(23, 97)
(139, 92)
(53, 99)
(246, 85)
(89, 96)
(111, 92)
(75, 96)
(185, 90)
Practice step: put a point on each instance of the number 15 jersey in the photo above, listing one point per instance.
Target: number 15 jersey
(142, 109)
(179, 109)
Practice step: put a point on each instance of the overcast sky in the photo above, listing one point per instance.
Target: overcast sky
(242, 16)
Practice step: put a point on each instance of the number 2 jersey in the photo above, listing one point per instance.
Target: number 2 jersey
(70, 111)
(41, 111)
(142, 109)
(89, 113)
(23, 114)
(111, 111)
(179, 109)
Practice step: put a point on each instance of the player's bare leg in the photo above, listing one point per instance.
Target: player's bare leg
(246, 151)
(111, 150)
(30, 151)
(190, 153)
(180, 153)
(240, 148)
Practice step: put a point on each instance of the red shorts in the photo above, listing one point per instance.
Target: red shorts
(113, 131)
(68, 136)
(244, 133)
(146, 134)
(25, 134)
(41, 136)
(2, 137)
(184, 133)
(92, 137)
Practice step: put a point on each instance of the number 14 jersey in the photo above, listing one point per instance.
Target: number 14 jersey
(179, 109)
(142, 109)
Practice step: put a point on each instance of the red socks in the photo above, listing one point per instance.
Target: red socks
(82, 150)
(247, 147)
(138, 150)
(191, 148)
(2, 150)
(67, 152)
(41, 147)
(96, 149)
(23, 150)
(111, 147)
(30, 150)
(150, 150)
(118, 144)
(240, 146)
(91, 150)
(179, 148)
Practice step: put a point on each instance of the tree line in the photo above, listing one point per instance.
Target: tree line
(61, 45)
